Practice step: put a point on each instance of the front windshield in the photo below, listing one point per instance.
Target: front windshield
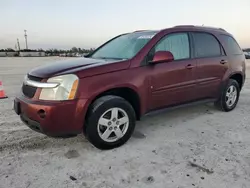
(125, 46)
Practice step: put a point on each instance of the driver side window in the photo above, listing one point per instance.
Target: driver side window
(177, 44)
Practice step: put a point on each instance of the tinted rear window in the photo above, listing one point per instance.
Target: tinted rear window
(206, 45)
(232, 46)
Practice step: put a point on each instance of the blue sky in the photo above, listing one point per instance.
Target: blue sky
(89, 23)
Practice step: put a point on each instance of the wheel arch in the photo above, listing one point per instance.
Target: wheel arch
(238, 77)
(128, 93)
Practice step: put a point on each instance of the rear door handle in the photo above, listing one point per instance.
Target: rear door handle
(223, 61)
(189, 66)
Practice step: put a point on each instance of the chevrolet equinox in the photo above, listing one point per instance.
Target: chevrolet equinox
(103, 94)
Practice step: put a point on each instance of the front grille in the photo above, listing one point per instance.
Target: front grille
(30, 91)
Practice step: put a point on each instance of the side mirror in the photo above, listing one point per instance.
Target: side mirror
(162, 56)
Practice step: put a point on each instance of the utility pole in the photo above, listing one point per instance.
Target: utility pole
(18, 45)
(25, 36)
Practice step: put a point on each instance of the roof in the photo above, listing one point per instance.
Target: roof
(191, 27)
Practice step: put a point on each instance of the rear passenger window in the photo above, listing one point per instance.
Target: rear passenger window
(177, 44)
(232, 46)
(206, 45)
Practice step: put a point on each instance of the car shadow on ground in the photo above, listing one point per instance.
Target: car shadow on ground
(167, 118)
(172, 117)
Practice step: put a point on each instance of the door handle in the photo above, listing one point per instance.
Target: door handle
(223, 61)
(189, 66)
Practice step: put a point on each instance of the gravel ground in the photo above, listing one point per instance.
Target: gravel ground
(195, 146)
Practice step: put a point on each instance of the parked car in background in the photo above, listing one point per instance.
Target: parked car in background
(247, 55)
(62, 55)
(129, 76)
(78, 55)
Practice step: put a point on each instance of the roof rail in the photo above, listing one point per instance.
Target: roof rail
(208, 27)
(140, 31)
(184, 26)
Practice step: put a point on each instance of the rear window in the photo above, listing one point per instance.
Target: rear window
(206, 45)
(232, 46)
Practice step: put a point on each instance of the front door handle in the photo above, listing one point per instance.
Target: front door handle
(189, 66)
(223, 61)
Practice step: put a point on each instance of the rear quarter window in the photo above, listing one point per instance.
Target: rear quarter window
(232, 46)
(206, 45)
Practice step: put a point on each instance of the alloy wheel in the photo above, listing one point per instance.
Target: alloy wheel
(113, 124)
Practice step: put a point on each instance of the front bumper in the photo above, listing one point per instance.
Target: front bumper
(53, 118)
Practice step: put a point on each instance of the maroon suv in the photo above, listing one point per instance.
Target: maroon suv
(103, 94)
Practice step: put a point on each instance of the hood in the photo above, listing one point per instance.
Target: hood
(76, 66)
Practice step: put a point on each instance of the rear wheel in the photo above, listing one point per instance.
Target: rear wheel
(110, 122)
(229, 96)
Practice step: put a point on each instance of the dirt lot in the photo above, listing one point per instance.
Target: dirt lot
(158, 154)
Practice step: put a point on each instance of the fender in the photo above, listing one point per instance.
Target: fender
(226, 79)
(117, 87)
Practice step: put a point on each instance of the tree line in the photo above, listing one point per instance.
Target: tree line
(7, 50)
(52, 50)
(72, 50)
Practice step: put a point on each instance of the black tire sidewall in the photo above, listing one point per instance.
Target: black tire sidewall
(92, 123)
(224, 105)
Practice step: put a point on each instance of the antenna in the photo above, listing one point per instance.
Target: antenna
(25, 36)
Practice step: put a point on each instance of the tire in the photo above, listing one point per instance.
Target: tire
(108, 106)
(222, 102)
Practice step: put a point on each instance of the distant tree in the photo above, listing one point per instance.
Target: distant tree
(40, 50)
(10, 50)
(55, 51)
(49, 51)
(28, 50)
(7, 50)
(91, 50)
(74, 50)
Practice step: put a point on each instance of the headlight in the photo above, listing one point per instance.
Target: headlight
(66, 90)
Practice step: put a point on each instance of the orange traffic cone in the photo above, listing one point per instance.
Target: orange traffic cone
(2, 93)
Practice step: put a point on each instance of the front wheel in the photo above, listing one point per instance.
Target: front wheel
(229, 96)
(110, 122)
